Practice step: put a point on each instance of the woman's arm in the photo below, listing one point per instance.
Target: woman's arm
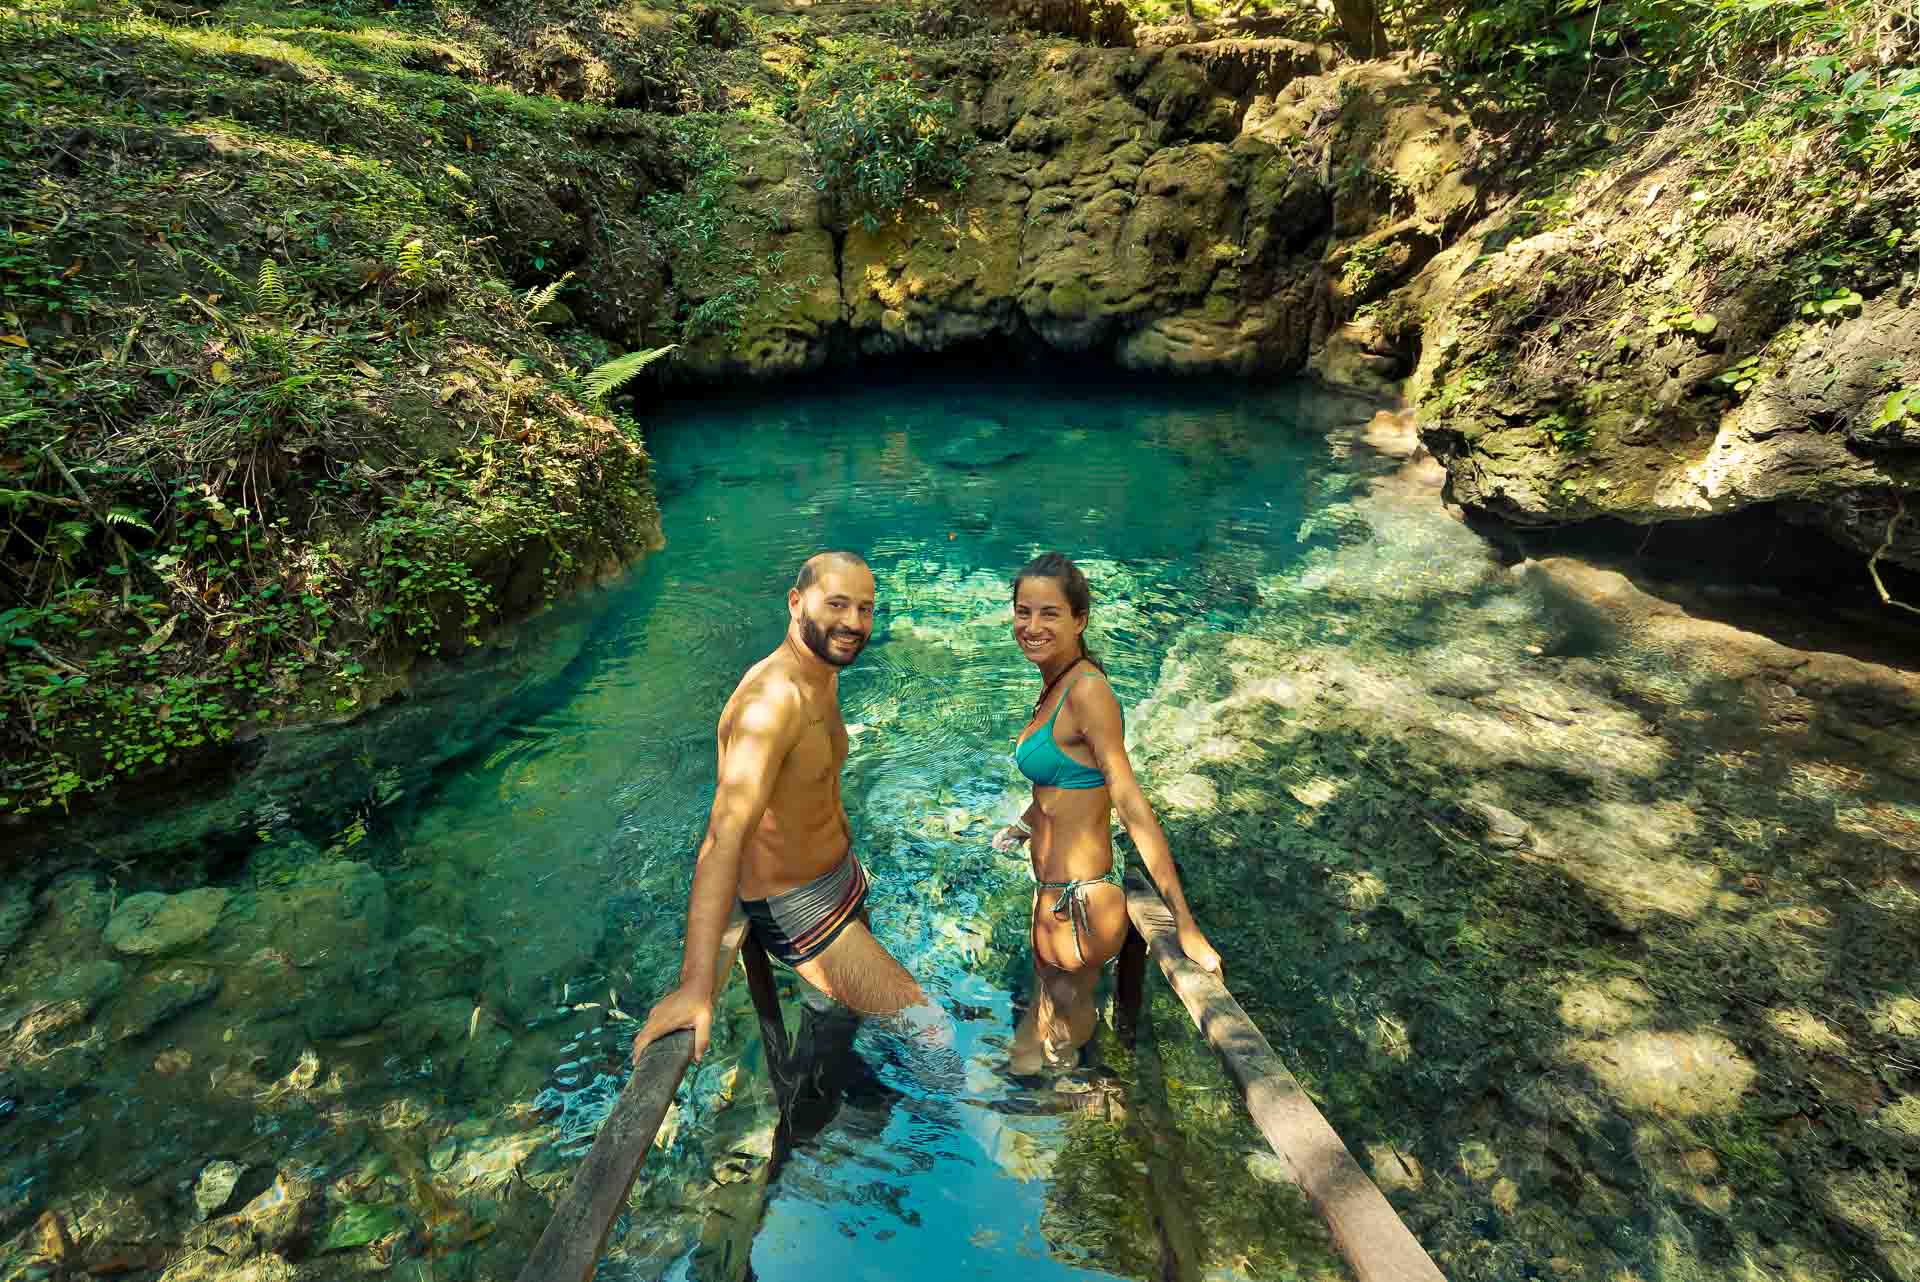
(1097, 712)
(1020, 829)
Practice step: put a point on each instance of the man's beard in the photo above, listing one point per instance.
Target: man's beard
(820, 642)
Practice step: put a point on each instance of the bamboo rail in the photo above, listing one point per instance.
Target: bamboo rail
(1366, 1231)
(570, 1247)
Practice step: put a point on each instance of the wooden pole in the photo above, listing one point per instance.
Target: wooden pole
(570, 1248)
(1130, 985)
(1366, 1231)
(773, 1026)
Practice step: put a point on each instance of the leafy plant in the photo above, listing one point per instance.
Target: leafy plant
(880, 138)
(604, 380)
(1683, 320)
(1740, 377)
(1903, 403)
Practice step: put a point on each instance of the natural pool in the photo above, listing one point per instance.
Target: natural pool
(1596, 947)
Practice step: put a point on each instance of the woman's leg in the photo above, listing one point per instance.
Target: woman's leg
(1026, 1056)
(1066, 969)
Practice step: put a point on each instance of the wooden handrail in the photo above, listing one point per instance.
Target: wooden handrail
(1366, 1231)
(570, 1248)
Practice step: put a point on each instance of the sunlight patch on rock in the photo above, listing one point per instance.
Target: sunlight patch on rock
(1673, 1074)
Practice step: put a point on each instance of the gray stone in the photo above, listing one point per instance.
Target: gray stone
(214, 1187)
(152, 924)
(159, 996)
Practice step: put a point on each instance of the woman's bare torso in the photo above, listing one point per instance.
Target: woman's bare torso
(1073, 841)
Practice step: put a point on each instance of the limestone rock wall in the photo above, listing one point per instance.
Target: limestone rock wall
(1645, 356)
(1158, 207)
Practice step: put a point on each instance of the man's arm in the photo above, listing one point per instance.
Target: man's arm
(763, 733)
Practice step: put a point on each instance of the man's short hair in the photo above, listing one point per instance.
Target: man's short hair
(810, 569)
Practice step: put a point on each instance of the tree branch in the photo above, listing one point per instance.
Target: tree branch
(1873, 562)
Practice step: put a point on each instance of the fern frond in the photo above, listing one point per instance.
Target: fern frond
(412, 259)
(538, 300)
(127, 516)
(408, 252)
(228, 278)
(604, 380)
(270, 294)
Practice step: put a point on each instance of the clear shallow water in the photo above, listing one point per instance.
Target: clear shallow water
(1653, 1015)
(420, 1016)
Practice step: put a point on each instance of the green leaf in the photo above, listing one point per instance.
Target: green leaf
(1897, 406)
(1705, 323)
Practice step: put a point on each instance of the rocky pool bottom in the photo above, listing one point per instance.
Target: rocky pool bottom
(1590, 922)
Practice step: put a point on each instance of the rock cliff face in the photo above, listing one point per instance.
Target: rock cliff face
(1171, 209)
(1258, 207)
(1647, 356)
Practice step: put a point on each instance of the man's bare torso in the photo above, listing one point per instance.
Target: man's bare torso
(803, 833)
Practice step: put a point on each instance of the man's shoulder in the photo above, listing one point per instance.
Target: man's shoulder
(766, 702)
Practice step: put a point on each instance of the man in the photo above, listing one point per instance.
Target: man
(777, 837)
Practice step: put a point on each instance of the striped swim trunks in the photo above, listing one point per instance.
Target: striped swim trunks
(798, 925)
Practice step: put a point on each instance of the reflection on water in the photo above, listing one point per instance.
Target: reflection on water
(402, 1031)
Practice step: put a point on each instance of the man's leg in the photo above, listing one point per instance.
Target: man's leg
(861, 975)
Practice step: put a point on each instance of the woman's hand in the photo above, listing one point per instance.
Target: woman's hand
(1008, 839)
(1198, 950)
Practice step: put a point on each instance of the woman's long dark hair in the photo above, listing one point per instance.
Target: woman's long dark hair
(1053, 565)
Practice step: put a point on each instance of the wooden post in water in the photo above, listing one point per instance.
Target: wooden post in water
(1130, 984)
(1366, 1231)
(773, 1025)
(570, 1248)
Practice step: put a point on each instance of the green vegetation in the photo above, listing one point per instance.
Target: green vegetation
(880, 137)
(275, 419)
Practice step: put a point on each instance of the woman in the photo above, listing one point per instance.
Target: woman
(1071, 751)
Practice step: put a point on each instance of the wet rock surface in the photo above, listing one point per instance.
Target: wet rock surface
(152, 924)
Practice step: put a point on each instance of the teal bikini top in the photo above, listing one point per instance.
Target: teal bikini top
(1045, 766)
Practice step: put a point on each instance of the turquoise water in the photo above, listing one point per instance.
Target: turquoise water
(1589, 930)
(422, 1014)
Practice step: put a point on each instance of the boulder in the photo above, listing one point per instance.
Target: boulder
(214, 1187)
(160, 995)
(152, 924)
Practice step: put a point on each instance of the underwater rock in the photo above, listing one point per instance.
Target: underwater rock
(206, 1266)
(438, 964)
(284, 1214)
(16, 914)
(359, 1225)
(1674, 1074)
(77, 910)
(1505, 830)
(152, 924)
(317, 946)
(214, 1187)
(981, 443)
(117, 1232)
(159, 996)
(68, 1000)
